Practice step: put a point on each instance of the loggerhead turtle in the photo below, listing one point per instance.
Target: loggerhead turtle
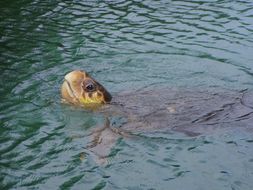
(189, 111)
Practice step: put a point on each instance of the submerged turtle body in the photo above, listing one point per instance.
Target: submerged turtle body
(186, 110)
(189, 111)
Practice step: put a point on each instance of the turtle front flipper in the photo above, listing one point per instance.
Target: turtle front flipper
(103, 140)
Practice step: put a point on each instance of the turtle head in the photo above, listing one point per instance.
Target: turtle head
(81, 89)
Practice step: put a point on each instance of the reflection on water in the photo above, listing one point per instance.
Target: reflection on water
(126, 45)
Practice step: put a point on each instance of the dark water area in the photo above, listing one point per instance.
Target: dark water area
(126, 45)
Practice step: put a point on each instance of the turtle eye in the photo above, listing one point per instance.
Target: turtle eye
(90, 87)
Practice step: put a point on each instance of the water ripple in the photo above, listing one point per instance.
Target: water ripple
(127, 45)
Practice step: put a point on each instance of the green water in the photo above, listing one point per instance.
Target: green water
(125, 45)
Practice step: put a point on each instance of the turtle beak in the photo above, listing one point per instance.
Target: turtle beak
(106, 94)
(108, 97)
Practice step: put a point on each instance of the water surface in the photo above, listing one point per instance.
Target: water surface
(126, 45)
